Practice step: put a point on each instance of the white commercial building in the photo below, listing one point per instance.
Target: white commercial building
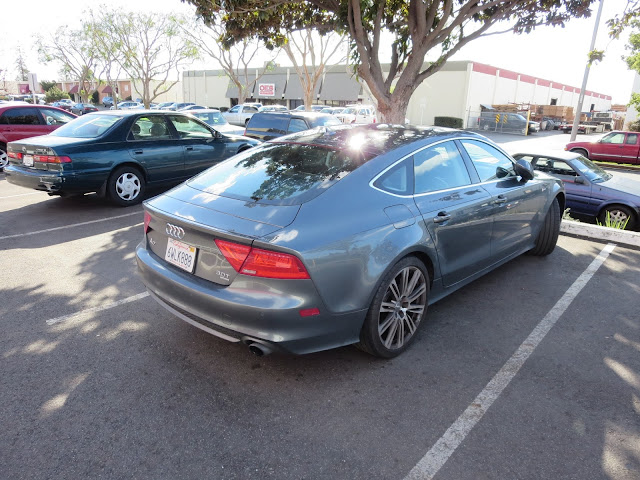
(459, 90)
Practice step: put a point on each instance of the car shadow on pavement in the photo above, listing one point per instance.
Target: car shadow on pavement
(133, 391)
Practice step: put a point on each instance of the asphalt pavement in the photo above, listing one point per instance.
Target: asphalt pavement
(531, 372)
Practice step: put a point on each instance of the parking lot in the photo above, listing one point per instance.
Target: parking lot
(532, 371)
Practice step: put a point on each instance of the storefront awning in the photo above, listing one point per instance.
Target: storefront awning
(294, 88)
(107, 89)
(74, 89)
(340, 87)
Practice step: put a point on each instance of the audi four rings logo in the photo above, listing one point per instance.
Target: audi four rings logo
(175, 232)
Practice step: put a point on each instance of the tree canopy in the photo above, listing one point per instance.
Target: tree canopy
(413, 28)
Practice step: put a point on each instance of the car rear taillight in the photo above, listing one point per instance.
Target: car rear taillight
(257, 262)
(147, 220)
(16, 155)
(51, 159)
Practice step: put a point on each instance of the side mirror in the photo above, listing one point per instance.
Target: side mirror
(524, 169)
(579, 180)
(217, 134)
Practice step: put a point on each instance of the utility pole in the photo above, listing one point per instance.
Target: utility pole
(576, 120)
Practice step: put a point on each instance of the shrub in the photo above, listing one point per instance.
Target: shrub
(634, 126)
(95, 98)
(54, 94)
(450, 122)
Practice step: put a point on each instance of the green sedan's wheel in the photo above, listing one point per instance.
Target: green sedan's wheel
(126, 186)
(397, 310)
(618, 215)
(4, 159)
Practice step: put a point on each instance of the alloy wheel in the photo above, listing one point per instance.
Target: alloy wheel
(402, 307)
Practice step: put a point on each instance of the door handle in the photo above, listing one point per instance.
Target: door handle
(441, 217)
(189, 149)
(500, 199)
(138, 152)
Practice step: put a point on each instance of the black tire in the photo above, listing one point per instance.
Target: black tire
(4, 159)
(397, 310)
(126, 186)
(581, 151)
(548, 236)
(618, 213)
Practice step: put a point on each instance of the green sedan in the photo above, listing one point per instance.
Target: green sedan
(119, 153)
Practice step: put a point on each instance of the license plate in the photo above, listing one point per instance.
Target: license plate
(181, 255)
(28, 160)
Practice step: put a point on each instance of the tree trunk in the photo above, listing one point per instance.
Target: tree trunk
(308, 99)
(393, 109)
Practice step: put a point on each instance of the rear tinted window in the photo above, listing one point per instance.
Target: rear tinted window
(87, 126)
(20, 116)
(269, 123)
(278, 174)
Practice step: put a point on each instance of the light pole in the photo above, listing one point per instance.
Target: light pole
(576, 119)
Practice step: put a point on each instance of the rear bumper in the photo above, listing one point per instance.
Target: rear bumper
(250, 309)
(46, 181)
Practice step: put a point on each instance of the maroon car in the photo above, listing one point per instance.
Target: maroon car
(18, 121)
(619, 147)
(82, 108)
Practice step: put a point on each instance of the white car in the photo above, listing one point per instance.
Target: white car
(128, 105)
(240, 114)
(213, 117)
(358, 114)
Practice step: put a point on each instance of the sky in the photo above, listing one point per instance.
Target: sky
(552, 53)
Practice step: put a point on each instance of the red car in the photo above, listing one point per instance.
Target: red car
(619, 147)
(20, 121)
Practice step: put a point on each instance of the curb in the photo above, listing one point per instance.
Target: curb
(596, 232)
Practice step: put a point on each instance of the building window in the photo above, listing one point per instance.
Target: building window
(554, 101)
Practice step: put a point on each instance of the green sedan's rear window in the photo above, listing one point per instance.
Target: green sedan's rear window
(89, 126)
(278, 174)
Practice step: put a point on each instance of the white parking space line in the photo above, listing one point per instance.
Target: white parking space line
(139, 213)
(22, 195)
(435, 458)
(133, 298)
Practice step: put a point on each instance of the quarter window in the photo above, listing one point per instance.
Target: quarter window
(439, 168)
(397, 180)
(490, 163)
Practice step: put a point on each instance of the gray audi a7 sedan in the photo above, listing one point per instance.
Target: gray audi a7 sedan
(342, 235)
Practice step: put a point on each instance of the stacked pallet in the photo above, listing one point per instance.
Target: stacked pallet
(557, 111)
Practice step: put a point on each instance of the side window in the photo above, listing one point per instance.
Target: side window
(21, 116)
(152, 127)
(490, 163)
(397, 180)
(54, 117)
(614, 138)
(250, 110)
(235, 109)
(189, 128)
(438, 168)
(632, 139)
(297, 125)
(555, 167)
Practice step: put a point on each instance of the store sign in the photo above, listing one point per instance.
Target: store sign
(267, 89)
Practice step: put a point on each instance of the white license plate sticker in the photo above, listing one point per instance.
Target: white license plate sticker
(181, 255)
(28, 160)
